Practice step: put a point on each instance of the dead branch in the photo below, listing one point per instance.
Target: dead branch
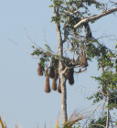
(98, 125)
(80, 71)
(69, 124)
(95, 17)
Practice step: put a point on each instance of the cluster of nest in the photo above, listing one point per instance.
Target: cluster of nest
(52, 73)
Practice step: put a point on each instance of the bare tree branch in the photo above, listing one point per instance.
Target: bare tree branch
(69, 124)
(95, 17)
(80, 71)
(98, 125)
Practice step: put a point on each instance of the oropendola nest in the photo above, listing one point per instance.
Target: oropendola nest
(70, 76)
(51, 72)
(40, 70)
(59, 87)
(83, 60)
(54, 84)
(47, 83)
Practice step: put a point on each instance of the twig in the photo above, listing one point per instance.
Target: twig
(98, 125)
(71, 123)
(81, 70)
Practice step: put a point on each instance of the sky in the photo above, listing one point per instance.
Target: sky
(23, 101)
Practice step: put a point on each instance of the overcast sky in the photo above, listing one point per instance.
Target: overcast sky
(22, 99)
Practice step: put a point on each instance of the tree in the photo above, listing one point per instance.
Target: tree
(76, 44)
(107, 90)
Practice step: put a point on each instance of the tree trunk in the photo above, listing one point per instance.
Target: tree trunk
(61, 76)
(63, 98)
(107, 119)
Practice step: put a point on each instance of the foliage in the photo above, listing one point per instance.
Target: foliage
(108, 86)
(99, 123)
(81, 45)
(107, 90)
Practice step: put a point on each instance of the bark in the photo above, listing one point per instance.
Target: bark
(61, 74)
(63, 99)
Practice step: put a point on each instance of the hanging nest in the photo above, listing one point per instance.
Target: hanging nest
(83, 60)
(56, 74)
(70, 76)
(40, 70)
(59, 87)
(54, 81)
(51, 72)
(54, 84)
(47, 84)
(71, 81)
